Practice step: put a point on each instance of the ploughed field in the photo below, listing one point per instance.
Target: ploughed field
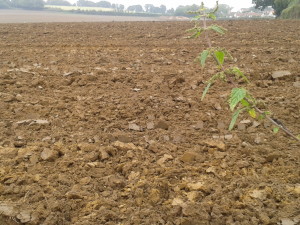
(102, 123)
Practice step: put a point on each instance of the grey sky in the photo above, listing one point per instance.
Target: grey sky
(237, 4)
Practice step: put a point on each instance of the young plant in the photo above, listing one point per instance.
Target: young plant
(240, 99)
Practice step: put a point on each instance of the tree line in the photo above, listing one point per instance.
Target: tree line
(283, 8)
(148, 8)
(39, 4)
(23, 4)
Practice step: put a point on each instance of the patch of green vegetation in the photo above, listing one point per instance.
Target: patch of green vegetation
(292, 12)
(240, 98)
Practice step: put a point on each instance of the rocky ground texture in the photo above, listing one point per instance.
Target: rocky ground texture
(102, 123)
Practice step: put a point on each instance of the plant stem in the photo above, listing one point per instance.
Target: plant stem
(282, 127)
(206, 36)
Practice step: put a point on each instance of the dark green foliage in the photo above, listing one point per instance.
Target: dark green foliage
(293, 10)
(280, 5)
(290, 7)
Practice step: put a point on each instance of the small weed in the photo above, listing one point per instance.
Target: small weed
(240, 99)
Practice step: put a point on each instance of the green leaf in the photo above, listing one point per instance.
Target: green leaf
(234, 118)
(217, 29)
(245, 103)
(203, 57)
(196, 17)
(212, 16)
(236, 96)
(252, 113)
(275, 130)
(298, 136)
(220, 56)
(195, 35)
(205, 91)
(196, 32)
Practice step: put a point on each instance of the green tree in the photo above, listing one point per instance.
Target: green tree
(28, 4)
(117, 7)
(163, 9)
(121, 7)
(149, 8)
(280, 5)
(104, 4)
(292, 11)
(171, 11)
(277, 5)
(4, 4)
(135, 8)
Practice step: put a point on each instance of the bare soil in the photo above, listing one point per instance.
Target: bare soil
(102, 123)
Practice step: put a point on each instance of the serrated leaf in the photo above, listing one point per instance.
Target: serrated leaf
(203, 57)
(275, 130)
(205, 91)
(220, 56)
(212, 16)
(237, 94)
(252, 113)
(196, 18)
(217, 29)
(196, 32)
(234, 118)
(195, 35)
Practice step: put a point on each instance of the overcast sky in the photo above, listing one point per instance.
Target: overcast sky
(237, 4)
